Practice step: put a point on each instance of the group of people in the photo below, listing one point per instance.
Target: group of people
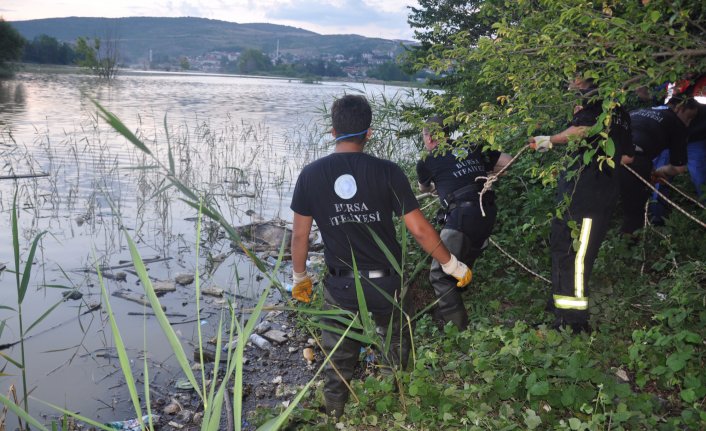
(353, 196)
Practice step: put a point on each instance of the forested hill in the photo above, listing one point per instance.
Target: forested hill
(195, 36)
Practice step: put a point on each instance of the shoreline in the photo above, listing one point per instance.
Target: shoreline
(66, 69)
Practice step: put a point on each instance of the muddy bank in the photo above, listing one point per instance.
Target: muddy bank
(275, 368)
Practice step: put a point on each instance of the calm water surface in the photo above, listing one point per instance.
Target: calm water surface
(239, 141)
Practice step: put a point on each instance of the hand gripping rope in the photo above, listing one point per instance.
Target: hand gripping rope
(647, 183)
(676, 189)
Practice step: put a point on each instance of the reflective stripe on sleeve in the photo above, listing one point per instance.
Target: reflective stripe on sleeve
(581, 257)
(570, 302)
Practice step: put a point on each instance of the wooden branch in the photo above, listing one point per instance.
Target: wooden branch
(683, 52)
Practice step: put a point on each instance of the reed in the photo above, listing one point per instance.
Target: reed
(213, 397)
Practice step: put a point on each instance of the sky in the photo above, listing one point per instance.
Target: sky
(372, 18)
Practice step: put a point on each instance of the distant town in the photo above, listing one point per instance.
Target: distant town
(212, 46)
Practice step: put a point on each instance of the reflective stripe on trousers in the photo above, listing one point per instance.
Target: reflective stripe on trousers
(578, 301)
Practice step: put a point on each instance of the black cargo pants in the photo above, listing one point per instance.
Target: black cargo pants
(346, 356)
(465, 235)
(634, 193)
(593, 197)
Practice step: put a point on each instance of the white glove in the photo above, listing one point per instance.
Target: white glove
(302, 286)
(542, 144)
(457, 270)
(299, 276)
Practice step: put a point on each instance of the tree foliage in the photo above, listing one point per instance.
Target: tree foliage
(388, 71)
(45, 49)
(436, 24)
(11, 43)
(538, 46)
(99, 56)
(253, 60)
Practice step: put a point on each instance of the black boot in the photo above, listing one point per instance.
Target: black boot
(335, 408)
(576, 326)
(459, 318)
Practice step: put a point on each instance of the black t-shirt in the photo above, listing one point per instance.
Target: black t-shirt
(349, 194)
(657, 129)
(619, 130)
(455, 169)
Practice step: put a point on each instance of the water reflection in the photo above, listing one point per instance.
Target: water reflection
(12, 98)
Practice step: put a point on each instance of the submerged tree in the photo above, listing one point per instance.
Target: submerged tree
(100, 56)
(11, 43)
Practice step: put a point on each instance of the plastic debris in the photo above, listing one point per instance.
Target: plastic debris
(260, 342)
(369, 354)
(183, 384)
(288, 287)
(262, 327)
(132, 424)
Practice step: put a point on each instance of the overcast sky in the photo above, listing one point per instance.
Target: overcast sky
(373, 18)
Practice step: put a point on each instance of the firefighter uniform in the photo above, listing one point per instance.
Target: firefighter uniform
(593, 192)
(466, 229)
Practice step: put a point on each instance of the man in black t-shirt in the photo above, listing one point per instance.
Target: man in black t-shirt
(466, 229)
(593, 194)
(654, 130)
(352, 197)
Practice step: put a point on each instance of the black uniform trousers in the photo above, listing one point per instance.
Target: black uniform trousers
(465, 235)
(346, 356)
(593, 195)
(634, 193)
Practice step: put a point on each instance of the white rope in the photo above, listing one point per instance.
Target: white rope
(518, 262)
(490, 179)
(647, 183)
(676, 189)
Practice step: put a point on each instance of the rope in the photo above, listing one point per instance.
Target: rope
(647, 183)
(518, 262)
(490, 179)
(676, 189)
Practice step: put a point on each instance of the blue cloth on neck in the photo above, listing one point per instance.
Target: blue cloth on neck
(350, 135)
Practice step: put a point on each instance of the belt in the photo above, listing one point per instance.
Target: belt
(363, 273)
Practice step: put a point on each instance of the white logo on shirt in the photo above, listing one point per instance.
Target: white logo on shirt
(345, 186)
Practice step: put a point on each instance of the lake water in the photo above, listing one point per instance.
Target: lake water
(239, 141)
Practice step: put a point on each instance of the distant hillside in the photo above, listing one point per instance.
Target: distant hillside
(195, 36)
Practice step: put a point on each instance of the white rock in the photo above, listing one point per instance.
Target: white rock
(276, 336)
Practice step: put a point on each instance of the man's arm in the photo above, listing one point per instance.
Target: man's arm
(426, 236)
(427, 189)
(503, 160)
(429, 239)
(301, 229)
(667, 171)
